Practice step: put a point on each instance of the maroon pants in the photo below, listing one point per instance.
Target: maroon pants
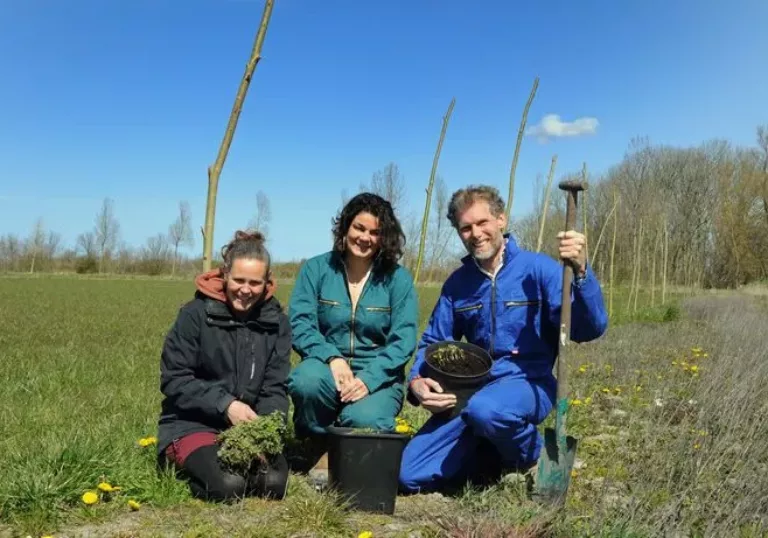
(178, 451)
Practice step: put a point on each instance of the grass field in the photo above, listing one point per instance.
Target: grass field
(671, 419)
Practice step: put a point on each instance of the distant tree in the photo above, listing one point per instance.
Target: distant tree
(389, 184)
(180, 233)
(10, 251)
(107, 231)
(35, 243)
(263, 214)
(86, 243)
(155, 254)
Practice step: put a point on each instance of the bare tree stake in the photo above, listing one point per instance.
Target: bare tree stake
(215, 171)
(520, 133)
(425, 218)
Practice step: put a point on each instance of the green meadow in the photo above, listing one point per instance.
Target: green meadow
(670, 407)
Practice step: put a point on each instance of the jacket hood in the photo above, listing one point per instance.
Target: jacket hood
(211, 284)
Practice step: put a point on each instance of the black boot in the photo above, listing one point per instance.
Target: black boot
(269, 480)
(208, 480)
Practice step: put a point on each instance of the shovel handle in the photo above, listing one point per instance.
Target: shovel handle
(565, 308)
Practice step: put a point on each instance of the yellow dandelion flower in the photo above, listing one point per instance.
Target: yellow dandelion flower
(705, 355)
(583, 369)
(90, 497)
(134, 505)
(697, 446)
(365, 534)
(694, 368)
(638, 388)
(574, 473)
(403, 428)
(47, 536)
(147, 441)
(588, 400)
(696, 350)
(617, 390)
(576, 402)
(606, 391)
(106, 487)
(674, 363)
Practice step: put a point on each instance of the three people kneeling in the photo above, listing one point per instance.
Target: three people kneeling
(353, 321)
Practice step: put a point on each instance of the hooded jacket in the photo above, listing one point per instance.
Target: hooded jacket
(211, 358)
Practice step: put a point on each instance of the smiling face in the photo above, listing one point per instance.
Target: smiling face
(481, 231)
(246, 282)
(362, 239)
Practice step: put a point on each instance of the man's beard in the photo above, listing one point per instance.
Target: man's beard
(494, 245)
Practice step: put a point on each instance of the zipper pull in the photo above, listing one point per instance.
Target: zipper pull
(253, 369)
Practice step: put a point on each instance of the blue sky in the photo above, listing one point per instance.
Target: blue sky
(129, 100)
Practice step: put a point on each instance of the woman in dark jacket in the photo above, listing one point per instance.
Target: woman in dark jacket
(225, 361)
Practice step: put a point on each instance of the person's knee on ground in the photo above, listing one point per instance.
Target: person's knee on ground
(208, 480)
(515, 438)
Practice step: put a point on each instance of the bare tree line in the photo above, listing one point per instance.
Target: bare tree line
(663, 216)
(689, 217)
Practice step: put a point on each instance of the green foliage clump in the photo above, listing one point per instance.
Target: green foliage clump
(254, 441)
(672, 313)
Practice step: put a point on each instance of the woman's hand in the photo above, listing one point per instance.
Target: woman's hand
(354, 391)
(349, 387)
(341, 372)
(240, 412)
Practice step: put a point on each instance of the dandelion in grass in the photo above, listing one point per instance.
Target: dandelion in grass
(674, 363)
(696, 350)
(144, 442)
(617, 390)
(638, 388)
(574, 473)
(588, 400)
(134, 505)
(576, 402)
(606, 390)
(583, 369)
(106, 487)
(90, 497)
(365, 534)
(694, 368)
(696, 446)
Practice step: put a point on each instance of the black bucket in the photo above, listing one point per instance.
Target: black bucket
(463, 385)
(364, 467)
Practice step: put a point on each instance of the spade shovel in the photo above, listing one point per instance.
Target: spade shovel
(556, 460)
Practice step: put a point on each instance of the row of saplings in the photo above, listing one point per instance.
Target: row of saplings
(252, 446)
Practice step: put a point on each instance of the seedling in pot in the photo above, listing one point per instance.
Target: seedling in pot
(452, 359)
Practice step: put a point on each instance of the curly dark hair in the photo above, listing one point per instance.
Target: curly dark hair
(391, 236)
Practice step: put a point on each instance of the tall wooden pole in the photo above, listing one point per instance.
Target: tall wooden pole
(520, 133)
(214, 171)
(425, 218)
(545, 208)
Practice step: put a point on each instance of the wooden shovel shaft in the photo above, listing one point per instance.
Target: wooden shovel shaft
(565, 334)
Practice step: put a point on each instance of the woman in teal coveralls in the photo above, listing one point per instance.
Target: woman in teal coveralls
(354, 322)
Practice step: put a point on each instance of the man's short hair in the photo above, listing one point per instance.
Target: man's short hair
(463, 198)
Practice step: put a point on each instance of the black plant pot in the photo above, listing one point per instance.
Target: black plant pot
(364, 467)
(462, 385)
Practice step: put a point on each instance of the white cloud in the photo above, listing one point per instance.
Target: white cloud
(552, 126)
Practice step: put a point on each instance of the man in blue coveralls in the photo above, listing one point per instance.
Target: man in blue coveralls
(507, 301)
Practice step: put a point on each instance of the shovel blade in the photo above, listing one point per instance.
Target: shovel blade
(554, 472)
